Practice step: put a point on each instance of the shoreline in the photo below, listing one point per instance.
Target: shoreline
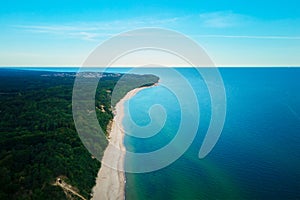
(110, 181)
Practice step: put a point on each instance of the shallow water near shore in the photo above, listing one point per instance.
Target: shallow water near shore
(257, 155)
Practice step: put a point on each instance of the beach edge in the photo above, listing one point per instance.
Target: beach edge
(110, 181)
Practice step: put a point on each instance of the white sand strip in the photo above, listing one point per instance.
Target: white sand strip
(110, 182)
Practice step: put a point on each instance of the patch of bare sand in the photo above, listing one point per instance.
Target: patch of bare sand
(110, 182)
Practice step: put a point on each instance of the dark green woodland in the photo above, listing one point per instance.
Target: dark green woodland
(38, 139)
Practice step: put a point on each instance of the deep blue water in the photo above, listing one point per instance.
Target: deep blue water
(257, 155)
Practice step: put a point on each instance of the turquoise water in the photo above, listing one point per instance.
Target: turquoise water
(257, 155)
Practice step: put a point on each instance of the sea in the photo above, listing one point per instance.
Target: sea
(257, 155)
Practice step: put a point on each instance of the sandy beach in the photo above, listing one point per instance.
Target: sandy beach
(110, 182)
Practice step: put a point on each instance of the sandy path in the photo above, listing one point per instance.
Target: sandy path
(67, 188)
(110, 182)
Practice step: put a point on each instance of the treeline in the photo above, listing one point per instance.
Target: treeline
(38, 139)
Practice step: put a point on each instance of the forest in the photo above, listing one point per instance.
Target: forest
(38, 139)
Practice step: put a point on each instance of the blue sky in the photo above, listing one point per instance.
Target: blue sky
(234, 33)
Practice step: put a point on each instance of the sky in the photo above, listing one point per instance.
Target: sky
(232, 32)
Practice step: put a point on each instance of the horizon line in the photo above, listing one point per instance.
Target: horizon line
(176, 66)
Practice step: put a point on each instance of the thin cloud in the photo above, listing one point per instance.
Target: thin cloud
(93, 31)
(80, 31)
(223, 19)
(90, 36)
(270, 37)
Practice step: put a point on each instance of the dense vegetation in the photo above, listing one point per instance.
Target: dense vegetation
(38, 140)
